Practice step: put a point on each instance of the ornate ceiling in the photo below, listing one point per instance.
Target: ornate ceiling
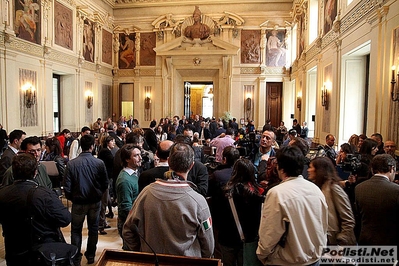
(256, 13)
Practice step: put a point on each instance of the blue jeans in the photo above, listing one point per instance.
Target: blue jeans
(79, 212)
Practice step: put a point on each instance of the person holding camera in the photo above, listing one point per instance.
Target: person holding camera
(265, 149)
(21, 200)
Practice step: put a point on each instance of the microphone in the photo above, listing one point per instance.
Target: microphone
(136, 231)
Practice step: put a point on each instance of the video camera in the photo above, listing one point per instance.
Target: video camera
(145, 157)
(246, 144)
(352, 163)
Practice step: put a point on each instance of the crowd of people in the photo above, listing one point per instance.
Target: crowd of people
(175, 183)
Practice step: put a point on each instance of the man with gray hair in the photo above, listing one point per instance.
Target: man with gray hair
(158, 210)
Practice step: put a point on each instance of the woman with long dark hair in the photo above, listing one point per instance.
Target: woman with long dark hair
(248, 198)
(54, 153)
(341, 222)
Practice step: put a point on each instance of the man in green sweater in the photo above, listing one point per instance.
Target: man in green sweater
(127, 186)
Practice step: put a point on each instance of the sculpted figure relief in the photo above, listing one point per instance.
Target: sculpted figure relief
(198, 30)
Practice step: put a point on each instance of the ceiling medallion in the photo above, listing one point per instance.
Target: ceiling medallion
(197, 61)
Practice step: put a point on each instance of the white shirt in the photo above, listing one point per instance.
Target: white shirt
(301, 203)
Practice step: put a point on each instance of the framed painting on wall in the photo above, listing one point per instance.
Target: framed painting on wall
(250, 47)
(147, 45)
(106, 55)
(275, 48)
(88, 40)
(330, 12)
(127, 51)
(63, 30)
(27, 20)
(301, 45)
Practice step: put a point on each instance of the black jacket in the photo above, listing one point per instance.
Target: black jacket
(151, 139)
(85, 179)
(48, 211)
(199, 176)
(5, 161)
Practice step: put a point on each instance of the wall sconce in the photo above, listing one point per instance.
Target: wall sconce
(394, 85)
(324, 94)
(299, 101)
(89, 99)
(29, 95)
(248, 102)
(147, 101)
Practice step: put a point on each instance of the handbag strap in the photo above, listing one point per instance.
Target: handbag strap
(30, 214)
(238, 224)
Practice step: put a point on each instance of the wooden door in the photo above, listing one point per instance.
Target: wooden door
(274, 92)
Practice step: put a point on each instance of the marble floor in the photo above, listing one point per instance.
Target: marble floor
(109, 241)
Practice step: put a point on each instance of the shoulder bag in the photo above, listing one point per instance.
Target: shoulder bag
(249, 248)
(50, 253)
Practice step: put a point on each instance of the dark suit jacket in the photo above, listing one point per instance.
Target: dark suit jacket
(207, 133)
(199, 176)
(5, 161)
(149, 176)
(129, 123)
(377, 204)
(234, 126)
(197, 125)
(151, 139)
(212, 127)
(3, 139)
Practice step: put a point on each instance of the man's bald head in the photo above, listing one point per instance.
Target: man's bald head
(390, 147)
(163, 150)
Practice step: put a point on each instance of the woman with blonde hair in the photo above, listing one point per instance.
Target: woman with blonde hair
(341, 222)
(354, 142)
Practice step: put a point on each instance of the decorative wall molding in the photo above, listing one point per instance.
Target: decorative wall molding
(157, 3)
(147, 72)
(26, 47)
(250, 70)
(126, 73)
(274, 70)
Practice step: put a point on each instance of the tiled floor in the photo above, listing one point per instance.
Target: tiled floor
(108, 241)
